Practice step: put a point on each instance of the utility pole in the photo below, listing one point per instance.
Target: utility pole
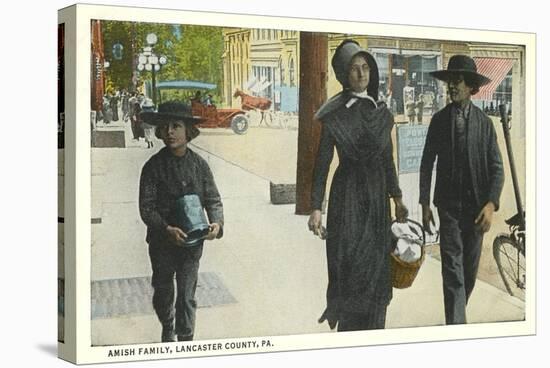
(313, 93)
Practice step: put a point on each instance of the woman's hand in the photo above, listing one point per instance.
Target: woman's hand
(401, 211)
(315, 222)
(176, 235)
(214, 230)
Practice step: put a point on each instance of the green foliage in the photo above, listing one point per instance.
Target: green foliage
(193, 53)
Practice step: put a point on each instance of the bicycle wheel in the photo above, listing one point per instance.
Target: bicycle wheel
(511, 265)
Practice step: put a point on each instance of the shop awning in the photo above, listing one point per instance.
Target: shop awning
(494, 69)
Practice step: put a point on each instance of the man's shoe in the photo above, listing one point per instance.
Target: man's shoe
(168, 334)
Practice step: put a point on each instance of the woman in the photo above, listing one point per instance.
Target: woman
(358, 222)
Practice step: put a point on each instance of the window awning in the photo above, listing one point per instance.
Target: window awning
(494, 69)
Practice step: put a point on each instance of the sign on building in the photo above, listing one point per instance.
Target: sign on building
(410, 144)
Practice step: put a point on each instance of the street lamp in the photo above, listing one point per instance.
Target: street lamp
(149, 61)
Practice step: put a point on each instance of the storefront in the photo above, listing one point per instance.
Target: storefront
(404, 77)
(499, 90)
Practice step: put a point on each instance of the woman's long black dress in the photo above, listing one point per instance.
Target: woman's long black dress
(358, 220)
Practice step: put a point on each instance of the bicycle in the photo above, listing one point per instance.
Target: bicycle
(509, 254)
(509, 249)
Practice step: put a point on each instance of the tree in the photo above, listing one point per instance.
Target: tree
(193, 52)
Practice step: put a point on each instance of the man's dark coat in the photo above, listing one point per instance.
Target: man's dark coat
(484, 159)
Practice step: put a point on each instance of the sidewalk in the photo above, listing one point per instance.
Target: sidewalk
(268, 260)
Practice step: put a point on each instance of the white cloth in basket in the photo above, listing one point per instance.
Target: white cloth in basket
(408, 247)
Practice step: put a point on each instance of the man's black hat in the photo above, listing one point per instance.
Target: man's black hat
(461, 64)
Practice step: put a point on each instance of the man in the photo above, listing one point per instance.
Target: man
(469, 181)
(208, 101)
(174, 172)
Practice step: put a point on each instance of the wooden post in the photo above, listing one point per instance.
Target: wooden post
(313, 93)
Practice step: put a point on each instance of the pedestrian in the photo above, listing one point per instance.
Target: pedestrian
(107, 115)
(148, 129)
(469, 180)
(420, 108)
(392, 105)
(125, 106)
(435, 103)
(492, 108)
(410, 109)
(135, 120)
(132, 99)
(169, 175)
(358, 221)
(114, 105)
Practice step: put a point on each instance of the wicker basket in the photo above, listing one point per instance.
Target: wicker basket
(404, 273)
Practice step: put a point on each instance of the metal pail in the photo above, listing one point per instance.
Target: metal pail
(191, 218)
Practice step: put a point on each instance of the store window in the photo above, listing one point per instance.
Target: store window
(406, 71)
(418, 70)
(503, 93)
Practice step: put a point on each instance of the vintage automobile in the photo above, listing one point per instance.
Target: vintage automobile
(214, 117)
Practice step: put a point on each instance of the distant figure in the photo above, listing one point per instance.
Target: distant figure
(148, 129)
(390, 102)
(208, 100)
(197, 98)
(125, 105)
(132, 99)
(106, 110)
(410, 110)
(137, 129)
(114, 106)
(420, 108)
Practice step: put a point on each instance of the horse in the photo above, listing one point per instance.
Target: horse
(249, 103)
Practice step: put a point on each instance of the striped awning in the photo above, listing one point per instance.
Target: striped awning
(494, 69)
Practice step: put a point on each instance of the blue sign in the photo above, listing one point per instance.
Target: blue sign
(289, 98)
(410, 144)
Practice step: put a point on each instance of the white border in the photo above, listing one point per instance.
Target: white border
(85, 13)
